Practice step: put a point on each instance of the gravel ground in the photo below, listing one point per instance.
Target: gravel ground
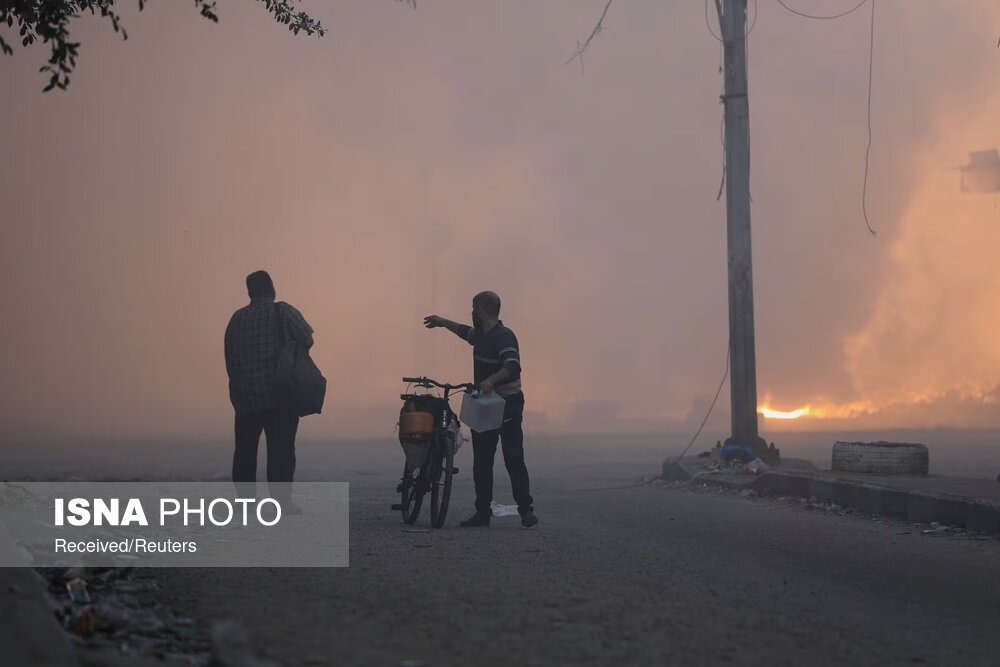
(618, 573)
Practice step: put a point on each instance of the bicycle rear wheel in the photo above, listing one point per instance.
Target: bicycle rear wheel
(411, 494)
(441, 481)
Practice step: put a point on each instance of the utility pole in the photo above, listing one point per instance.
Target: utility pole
(743, 364)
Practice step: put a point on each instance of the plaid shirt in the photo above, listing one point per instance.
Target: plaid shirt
(252, 350)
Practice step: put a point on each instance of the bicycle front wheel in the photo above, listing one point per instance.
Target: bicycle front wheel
(441, 482)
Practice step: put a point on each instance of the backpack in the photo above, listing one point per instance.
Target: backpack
(299, 384)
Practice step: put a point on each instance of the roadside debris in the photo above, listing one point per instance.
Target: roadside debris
(77, 589)
(734, 467)
(730, 452)
(503, 510)
(105, 610)
(705, 482)
(937, 529)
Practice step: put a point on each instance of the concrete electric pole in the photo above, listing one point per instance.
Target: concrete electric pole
(743, 364)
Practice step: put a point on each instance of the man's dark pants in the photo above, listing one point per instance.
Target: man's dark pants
(280, 428)
(484, 449)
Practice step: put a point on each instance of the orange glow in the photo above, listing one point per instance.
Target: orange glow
(825, 411)
(770, 413)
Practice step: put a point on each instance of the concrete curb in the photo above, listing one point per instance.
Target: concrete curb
(872, 496)
(29, 633)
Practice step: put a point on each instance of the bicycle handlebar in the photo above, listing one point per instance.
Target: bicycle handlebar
(427, 383)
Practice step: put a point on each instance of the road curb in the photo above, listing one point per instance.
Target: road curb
(869, 496)
(29, 633)
(873, 498)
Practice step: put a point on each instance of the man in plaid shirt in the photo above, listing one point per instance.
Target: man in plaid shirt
(251, 353)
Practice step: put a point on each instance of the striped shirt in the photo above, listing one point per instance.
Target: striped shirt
(492, 351)
(251, 346)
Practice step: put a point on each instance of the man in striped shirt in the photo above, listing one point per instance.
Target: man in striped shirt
(497, 368)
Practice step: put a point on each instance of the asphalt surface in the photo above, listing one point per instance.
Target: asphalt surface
(615, 574)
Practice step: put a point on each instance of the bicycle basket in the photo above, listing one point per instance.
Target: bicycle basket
(416, 429)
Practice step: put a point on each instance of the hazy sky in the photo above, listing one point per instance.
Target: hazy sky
(411, 158)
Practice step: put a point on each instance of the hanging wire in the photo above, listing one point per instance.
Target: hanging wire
(871, 60)
(746, 60)
(708, 24)
(710, 408)
(823, 18)
(868, 149)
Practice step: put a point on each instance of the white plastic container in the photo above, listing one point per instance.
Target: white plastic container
(482, 412)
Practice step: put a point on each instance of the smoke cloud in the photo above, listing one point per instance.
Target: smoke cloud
(413, 158)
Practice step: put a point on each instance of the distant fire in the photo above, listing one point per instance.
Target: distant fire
(826, 411)
(771, 413)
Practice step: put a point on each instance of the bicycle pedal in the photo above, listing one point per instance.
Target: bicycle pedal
(397, 507)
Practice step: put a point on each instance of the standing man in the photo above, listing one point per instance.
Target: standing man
(497, 366)
(252, 340)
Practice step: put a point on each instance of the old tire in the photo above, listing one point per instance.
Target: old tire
(881, 458)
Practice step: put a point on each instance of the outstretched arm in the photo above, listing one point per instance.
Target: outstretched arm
(463, 331)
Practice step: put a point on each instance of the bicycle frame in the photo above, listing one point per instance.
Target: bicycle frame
(417, 481)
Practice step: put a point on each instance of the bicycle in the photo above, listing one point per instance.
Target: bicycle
(430, 444)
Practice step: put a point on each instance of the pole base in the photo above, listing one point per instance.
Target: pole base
(770, 455)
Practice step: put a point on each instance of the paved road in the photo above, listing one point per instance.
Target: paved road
(618, 576)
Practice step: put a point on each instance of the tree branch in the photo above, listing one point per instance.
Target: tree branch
(48, 21)
(598, 29)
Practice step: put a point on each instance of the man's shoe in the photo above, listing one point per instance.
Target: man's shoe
(477, 520)
(529, 520)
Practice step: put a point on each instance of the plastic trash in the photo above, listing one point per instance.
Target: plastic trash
(482, 412)
(77, 589)
(737, 452)
(84, 621)
(503, 510)
(457, 436)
